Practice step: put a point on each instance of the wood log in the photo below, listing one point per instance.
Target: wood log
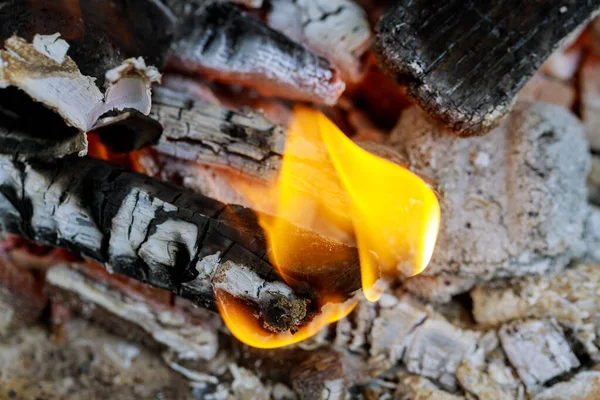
(337, 30)
(146, 229)
(538, 350)
(158, 233)
(224, 43)
(140, 319)
(241, 141)
(464, 62)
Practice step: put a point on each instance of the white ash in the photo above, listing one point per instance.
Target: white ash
(187, 341)
(583, 386)
(538, 350)
(570, 297)
(521, 212)
(336, 29)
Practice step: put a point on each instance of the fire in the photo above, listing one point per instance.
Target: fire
(330, 185)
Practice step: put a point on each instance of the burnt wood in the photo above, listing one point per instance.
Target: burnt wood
(464, 61)
(224, 43)
(164, 235)
(102, 33)
(240, 140)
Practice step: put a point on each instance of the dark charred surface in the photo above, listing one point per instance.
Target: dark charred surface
(464, 61)
(224, 43)
(150, 230)
(101, 33)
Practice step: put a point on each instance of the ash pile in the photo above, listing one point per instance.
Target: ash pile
(128, 127)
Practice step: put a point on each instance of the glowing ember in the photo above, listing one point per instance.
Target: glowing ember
(331, 186)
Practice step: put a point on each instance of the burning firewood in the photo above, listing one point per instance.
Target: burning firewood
(224, 43)
(464, 62)
(159, 233)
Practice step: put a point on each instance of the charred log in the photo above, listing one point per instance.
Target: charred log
(224, 43)
(465, 61)
(158, 233)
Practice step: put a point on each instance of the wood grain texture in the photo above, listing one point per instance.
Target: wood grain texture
(224, 43)
(464, 61)
(146, 229)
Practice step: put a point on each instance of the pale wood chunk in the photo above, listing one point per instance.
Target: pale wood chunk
(436, 350)
(538, 350)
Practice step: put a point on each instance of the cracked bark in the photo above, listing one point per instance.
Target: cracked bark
(464, 62)
(226, 44)
(161, 234)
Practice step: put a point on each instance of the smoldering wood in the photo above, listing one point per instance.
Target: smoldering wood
(416, 387)
(538, 350)
(102, 33)
(224, 43)
(242, 141)
(464, 62)
(153, 324)
(338, 30)
(143, 228)
(513, 202)
(164, 235)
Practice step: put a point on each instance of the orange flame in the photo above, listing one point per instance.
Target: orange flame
(330, 185)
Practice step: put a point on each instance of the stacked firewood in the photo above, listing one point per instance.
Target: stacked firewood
(140, 234)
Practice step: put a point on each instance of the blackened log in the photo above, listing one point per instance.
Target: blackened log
(161, 234)
(464, 61)
(243, 141)
(102, 33)
(222, 42)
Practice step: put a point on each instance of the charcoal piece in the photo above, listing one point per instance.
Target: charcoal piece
(128, 131)
(224, 43)
(464, 61)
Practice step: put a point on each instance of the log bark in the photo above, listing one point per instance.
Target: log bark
(148, 230)
(464, 62)
(241, 141)
(161, 234)
(224, 43)
(337, 30)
